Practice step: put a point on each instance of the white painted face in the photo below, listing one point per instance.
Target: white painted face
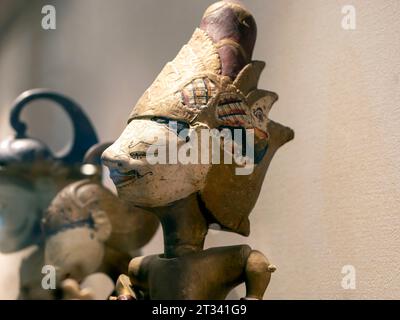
(19, 215)
(75, 253)
(142, 182)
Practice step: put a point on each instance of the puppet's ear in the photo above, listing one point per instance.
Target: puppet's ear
(261, 102)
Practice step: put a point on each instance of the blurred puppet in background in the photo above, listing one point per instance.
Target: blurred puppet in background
(31, 176)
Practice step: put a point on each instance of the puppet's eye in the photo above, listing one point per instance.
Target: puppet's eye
(161, 120)
(175, 125)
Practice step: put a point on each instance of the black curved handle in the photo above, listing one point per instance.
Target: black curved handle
(84, 135)
(93, 156)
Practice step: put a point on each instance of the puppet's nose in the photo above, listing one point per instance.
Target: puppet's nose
(114, 160)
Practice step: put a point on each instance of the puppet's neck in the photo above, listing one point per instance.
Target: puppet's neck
(184, 227)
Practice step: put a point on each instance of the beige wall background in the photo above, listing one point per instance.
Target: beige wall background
(331, 197)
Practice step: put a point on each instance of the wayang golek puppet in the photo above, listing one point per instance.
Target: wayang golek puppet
(30, 176)
(211, 84)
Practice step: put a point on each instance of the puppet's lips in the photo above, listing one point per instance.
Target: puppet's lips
(121, 179)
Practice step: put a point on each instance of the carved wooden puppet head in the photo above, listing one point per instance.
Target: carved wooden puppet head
(211, 85)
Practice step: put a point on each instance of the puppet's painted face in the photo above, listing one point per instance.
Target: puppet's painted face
(19, 216)
(138, 178)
